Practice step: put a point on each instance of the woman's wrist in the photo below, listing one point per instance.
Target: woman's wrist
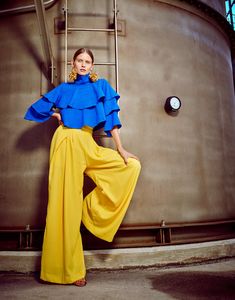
(116, 138)
(120, 148)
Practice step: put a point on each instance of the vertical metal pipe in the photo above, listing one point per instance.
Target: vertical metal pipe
(45, 37)
(66, 41)
(26, 8)
(116, 44)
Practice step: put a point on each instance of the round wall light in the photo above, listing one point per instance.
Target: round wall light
(172, 105)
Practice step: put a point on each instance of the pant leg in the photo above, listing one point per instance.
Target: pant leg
(105, 207)
(62, 255)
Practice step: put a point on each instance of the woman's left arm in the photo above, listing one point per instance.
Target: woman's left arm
(124, 154)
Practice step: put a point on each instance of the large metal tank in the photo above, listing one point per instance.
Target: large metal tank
(165, 48)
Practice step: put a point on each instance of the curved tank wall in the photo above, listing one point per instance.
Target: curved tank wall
(169, 48)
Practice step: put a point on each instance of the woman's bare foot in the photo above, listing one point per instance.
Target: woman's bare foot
(81, 282)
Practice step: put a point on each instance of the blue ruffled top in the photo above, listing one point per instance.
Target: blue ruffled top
(81, 103)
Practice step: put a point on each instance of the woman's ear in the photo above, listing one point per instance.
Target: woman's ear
(72, 63)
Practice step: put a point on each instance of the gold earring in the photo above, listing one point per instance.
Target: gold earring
(93, 77)
(73, 75)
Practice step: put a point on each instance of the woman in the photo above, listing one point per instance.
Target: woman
(84, 105)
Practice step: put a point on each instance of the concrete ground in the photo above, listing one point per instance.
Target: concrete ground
(214, 280)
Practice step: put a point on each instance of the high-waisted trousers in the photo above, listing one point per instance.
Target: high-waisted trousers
(74, 152)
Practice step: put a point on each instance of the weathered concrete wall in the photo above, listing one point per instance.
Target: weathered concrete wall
(170, 48)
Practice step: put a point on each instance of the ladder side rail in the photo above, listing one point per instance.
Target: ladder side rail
(66, 41)
(116, 45)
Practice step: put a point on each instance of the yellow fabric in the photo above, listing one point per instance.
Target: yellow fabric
(74, 152)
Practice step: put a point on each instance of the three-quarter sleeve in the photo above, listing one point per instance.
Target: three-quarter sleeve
(41, 110)
(111, 108)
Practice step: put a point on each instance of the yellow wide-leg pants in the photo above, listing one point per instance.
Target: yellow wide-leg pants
(73, 153)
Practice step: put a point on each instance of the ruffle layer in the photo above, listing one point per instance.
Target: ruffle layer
(110, 106)
(77, 118)
(112, 120)
(95, 117)
(80, 96)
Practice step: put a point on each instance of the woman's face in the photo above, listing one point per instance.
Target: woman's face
(83, 64)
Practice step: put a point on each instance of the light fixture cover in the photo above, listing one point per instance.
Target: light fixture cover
(172, 104)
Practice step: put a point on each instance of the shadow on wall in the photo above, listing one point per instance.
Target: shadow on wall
(36, 137)
(23, 35)
(196, 285)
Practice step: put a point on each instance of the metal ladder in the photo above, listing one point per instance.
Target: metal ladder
(114, 30)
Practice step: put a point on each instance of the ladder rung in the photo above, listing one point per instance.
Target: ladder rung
(90, 29)
(99, 63)
(105, 63)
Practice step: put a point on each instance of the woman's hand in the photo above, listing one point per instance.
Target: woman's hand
(58, 117)
(125, 154)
